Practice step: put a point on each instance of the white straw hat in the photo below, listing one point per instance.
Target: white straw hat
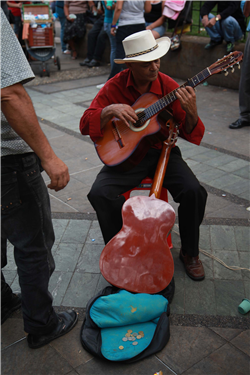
(142, 46)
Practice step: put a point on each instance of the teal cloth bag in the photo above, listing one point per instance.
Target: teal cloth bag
(127, 321)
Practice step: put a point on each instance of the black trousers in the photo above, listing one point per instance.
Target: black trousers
(97, 38)
(105, 196)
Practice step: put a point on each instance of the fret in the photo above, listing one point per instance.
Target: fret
(171, 97)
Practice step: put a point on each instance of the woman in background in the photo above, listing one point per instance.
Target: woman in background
(131, 20)
(155, 21)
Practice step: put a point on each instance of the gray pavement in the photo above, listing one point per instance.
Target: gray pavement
(208, 334)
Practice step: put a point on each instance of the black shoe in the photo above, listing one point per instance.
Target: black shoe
(14, 304)
(85, 62)
(66, 321)
(212, 44)
(239, 124)
(93, 62)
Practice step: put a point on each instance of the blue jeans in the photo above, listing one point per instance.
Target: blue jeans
(227, 29)
(27, 224)
(107, 28)
(62, 19)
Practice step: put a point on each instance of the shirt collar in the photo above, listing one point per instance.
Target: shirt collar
(155, 87)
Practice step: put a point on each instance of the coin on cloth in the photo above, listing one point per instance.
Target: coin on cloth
(121, 347)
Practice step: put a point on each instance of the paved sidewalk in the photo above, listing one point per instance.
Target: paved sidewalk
(208, 335)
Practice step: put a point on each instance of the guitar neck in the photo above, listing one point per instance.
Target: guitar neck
(171, 97)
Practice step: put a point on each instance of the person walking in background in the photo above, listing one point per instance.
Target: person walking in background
(131, 20)
(15, 9)
(62, 19)
(25, 204)
(244, 89)
(228, 24)
(155, 20)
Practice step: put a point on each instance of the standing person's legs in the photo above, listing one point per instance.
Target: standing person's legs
(26, 222)
(107, 28)
(244, 90)
(122, 33)
(62, 19)
(92, 37)
(100, 45)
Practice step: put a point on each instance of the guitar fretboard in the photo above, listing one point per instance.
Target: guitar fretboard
(171, 97)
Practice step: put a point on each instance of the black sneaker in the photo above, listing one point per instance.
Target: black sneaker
(66, 321)
(85, 62)
(212, 44)
(12, 305)
(93, 62)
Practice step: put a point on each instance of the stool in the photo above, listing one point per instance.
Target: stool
(146, 185)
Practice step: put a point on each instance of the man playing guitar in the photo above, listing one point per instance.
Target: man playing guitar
(115, 100)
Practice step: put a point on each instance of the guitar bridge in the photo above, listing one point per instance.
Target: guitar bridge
(117, 135)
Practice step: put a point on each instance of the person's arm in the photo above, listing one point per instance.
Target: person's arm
(246, 10)
(66, 11)
(159, 21)
(205, 10)
(14, 5)
(147, 6)
(117, 12)
(20, 114)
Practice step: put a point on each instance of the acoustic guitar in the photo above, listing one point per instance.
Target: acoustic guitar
(123, 146)
(138, 258)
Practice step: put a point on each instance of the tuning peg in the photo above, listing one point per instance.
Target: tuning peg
(232, 68)
(226, 72)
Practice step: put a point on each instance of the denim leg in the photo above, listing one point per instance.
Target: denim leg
(62, 19)
(27, 224)
(92, 37)
(100, 45)
(107, 28)
(244, 92)
(231, 29)
(214, 32)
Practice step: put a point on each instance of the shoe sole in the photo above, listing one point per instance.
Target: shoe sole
(189, 275)
(54, 338)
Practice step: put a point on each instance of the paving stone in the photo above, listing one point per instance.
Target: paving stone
(102, 283)
(225, 360)
(59, 226)
(207, 155)
(95, 233)
(70, 348)
(178, 303)
(21, 360)
(227, 333)
(9, 276)
(205, 243)
(244, 263)
(89, 259)
(242, 342)
(147, 366)
(193, 345)
(210, 175)
(220, 160)
(214, 204)
(223, 181)
(243, 172)
(81, 288)
(200, 297)
(76, 231)
(230, 258)
(242, 236)
(237, 188)
(207, 265)
(228, 294)
(69, 191)
(222, 237)
(57, 205)
(234, 165)
(179, 270)
(11, 331)
(78, 201)
(58, 285)
(200, 168)
(67, 255)
(15, 286)
(230, 211)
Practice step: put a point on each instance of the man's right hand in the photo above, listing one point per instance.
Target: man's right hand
(122, 111)
(58, 173)
(205, 21)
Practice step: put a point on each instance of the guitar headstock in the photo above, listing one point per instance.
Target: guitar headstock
(226, 62)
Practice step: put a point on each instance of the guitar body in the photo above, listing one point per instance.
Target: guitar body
(138, 258)
(126, 147)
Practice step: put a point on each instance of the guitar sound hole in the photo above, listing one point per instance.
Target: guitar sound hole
(138, 124)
